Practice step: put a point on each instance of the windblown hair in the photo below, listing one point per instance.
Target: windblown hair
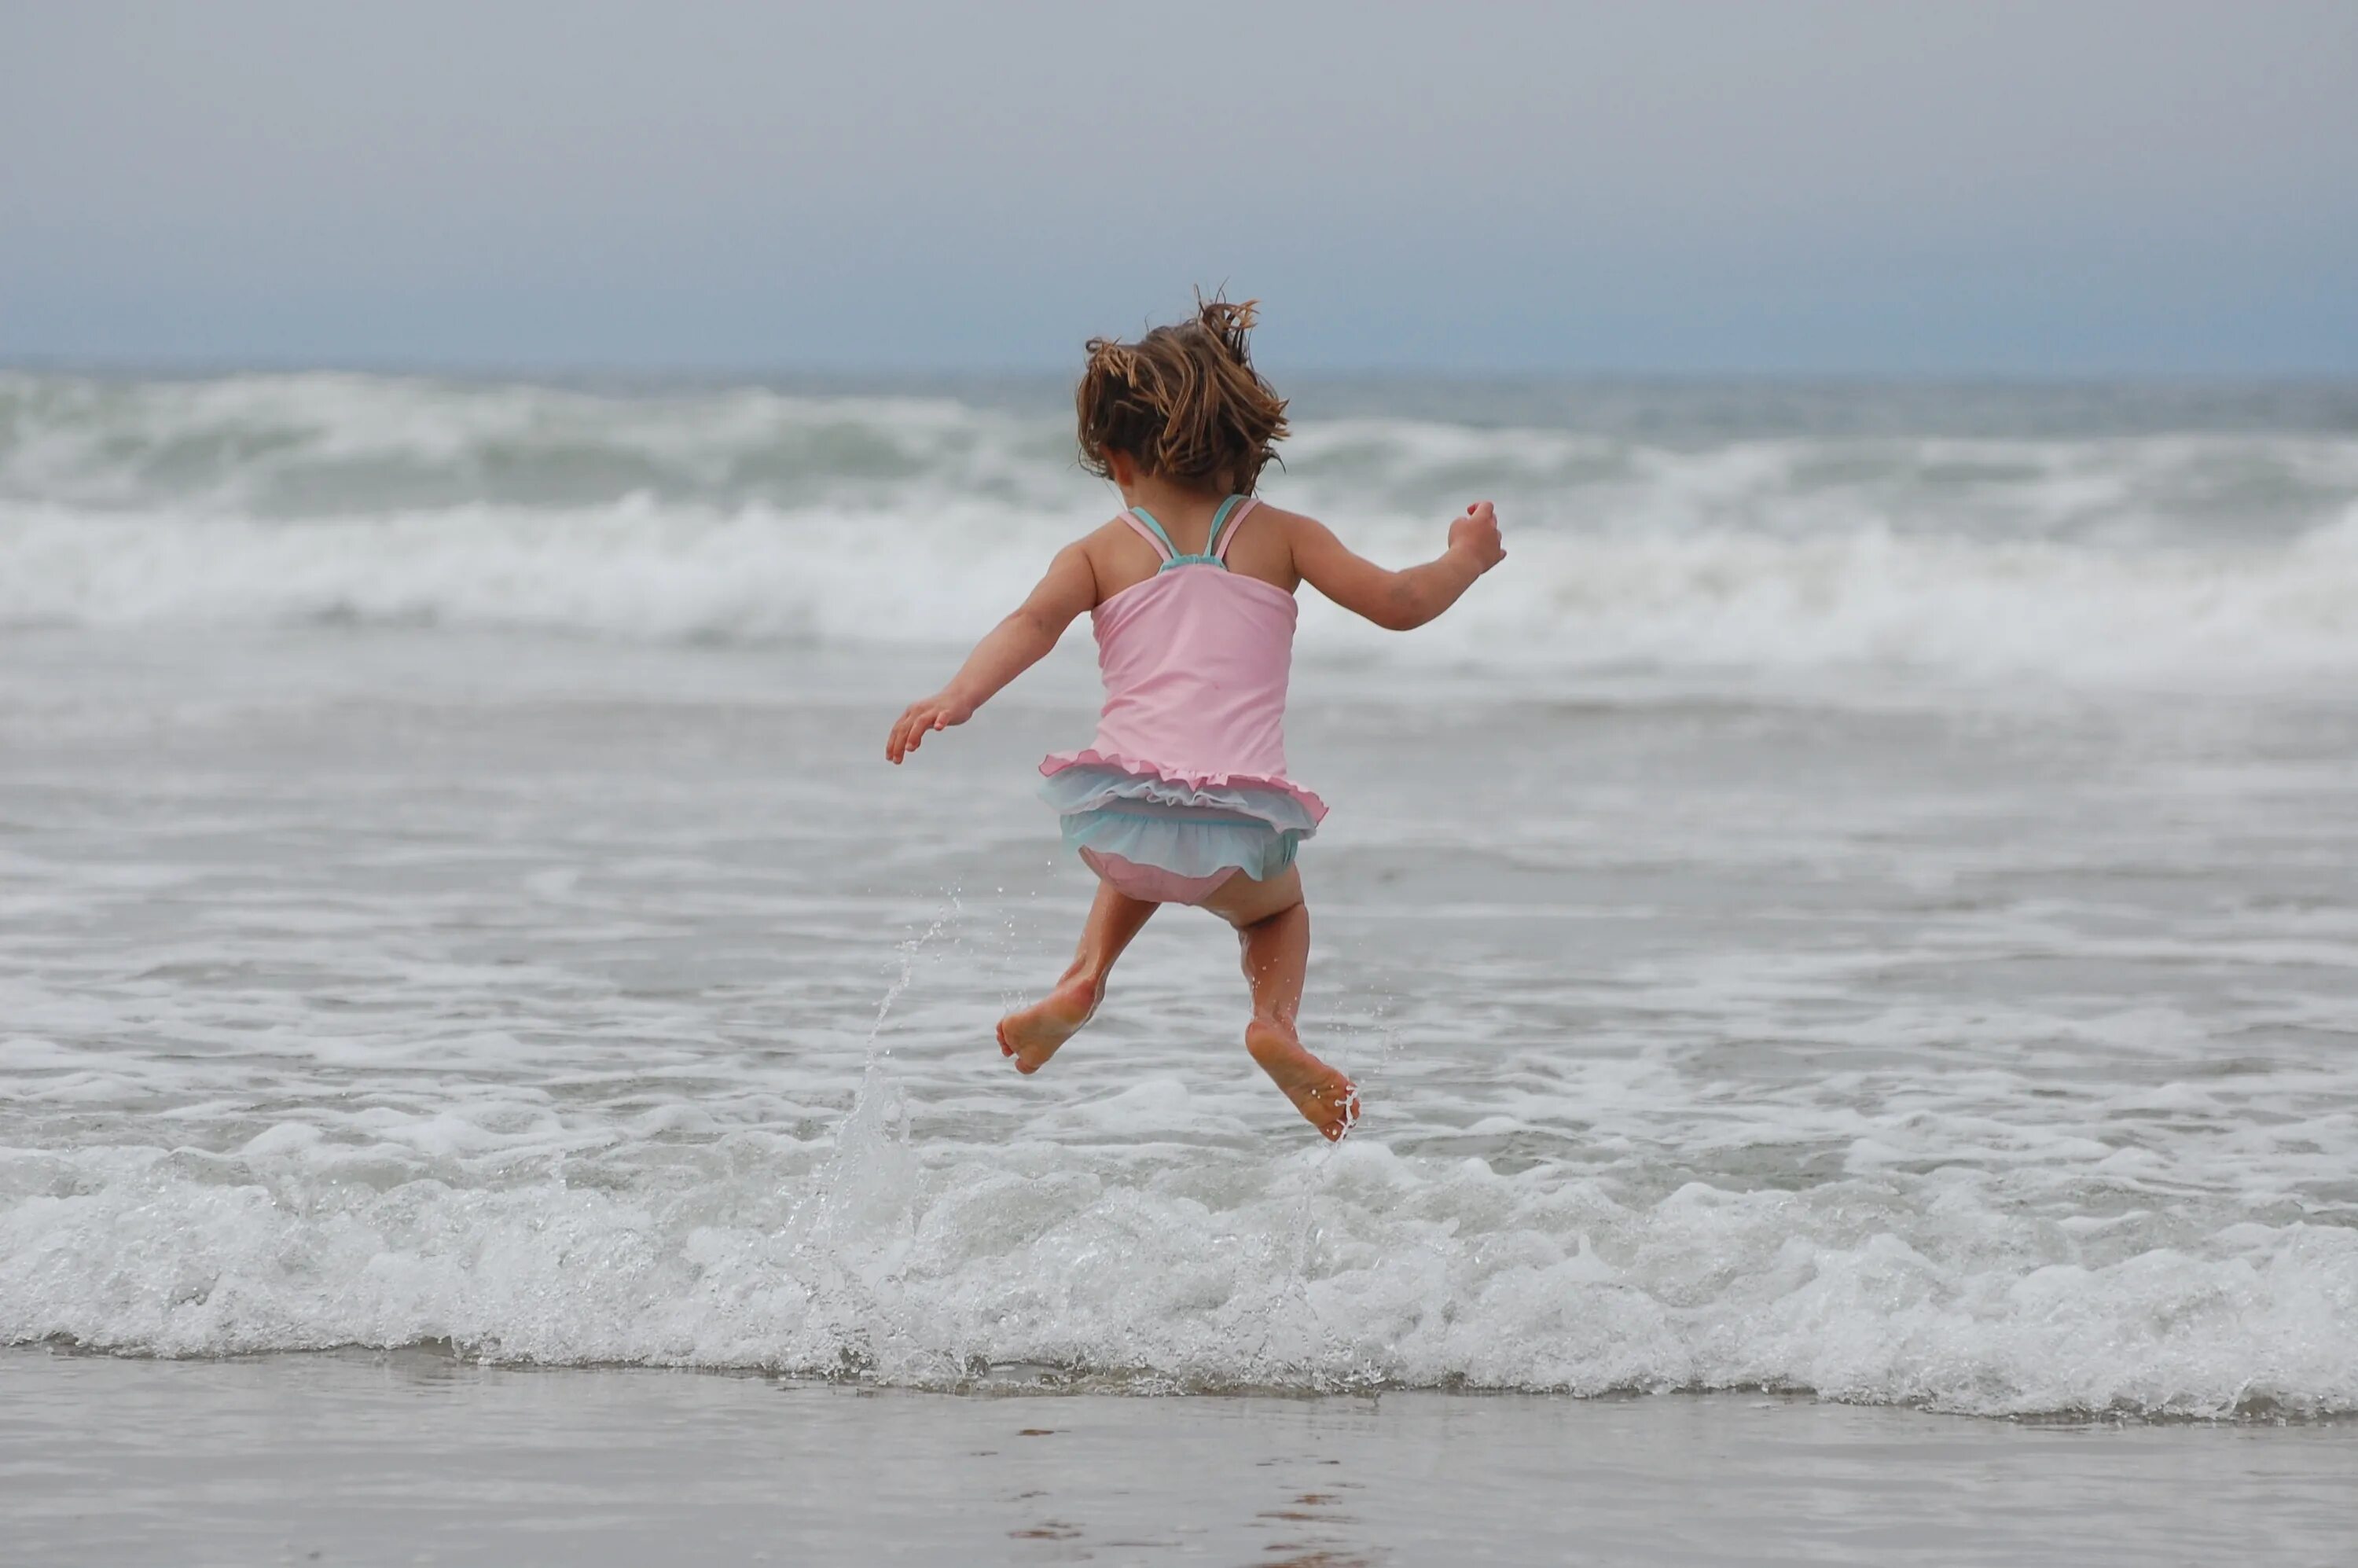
(1184, 401)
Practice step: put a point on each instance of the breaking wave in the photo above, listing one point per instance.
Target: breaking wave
(755, 515)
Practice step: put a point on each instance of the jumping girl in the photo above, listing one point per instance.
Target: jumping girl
(1183, 796)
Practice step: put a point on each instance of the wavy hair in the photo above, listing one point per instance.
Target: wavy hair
(1183, 401)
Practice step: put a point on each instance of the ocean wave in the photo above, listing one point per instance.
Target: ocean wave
(752, 514)
(1726, 599)
(342, 445)
(1316, 1270)
(318, 445)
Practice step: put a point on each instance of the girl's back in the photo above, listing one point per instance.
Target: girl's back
(1195, 658)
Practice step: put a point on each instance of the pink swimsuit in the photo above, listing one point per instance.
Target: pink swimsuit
(1185, 786)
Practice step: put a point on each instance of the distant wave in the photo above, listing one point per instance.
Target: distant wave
(754, 514)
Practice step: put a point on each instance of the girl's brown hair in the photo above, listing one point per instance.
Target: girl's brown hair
(1183, 401)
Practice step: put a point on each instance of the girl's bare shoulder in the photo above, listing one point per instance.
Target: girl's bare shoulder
(1270, 514)
(1112, 531)
(1284, 525)
(1118, 558)
(1109, 543)
(1264, 546)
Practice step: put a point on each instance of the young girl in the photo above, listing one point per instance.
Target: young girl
(1183, 798)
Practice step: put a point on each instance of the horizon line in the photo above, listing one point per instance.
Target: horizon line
(191, 366)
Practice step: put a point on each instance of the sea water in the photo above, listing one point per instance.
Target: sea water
(1863, 902)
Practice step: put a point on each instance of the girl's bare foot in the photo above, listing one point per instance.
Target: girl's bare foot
(1320, 1093)
(1031, 1035)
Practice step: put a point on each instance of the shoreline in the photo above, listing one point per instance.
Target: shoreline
(409, 1456)
(1055, 1383)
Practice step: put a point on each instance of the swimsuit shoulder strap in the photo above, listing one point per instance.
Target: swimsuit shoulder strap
(1142, 522)
(1232, 513)
(1170, 551)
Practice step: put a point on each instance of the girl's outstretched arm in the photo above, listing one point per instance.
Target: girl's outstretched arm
(1398, 600)
(1012, 646)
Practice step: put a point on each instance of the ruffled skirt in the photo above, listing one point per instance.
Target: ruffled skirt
(1173, 841)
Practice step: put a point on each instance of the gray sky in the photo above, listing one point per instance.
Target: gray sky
(1906, 185)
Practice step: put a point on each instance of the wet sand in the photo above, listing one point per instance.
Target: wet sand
(410, 1457)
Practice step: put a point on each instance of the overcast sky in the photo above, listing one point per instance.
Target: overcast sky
(1895, 187)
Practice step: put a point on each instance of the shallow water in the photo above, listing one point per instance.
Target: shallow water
(578, 1002)
(1865, 902)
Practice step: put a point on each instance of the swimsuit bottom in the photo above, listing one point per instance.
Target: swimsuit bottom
(1166, 842)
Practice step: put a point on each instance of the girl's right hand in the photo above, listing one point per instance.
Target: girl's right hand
(921, 719)
(1476, 534)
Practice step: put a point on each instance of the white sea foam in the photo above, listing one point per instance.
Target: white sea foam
(1315, 1270)
(757, 515)
(2237, 612)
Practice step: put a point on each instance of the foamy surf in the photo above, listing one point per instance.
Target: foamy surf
(1870, 601)
(2172, 557)
(1307, 1272)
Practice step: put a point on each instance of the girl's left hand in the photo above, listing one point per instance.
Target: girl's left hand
(921, 719)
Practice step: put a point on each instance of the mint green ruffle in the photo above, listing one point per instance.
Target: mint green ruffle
(1190, 830)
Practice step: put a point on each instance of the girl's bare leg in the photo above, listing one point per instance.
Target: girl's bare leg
(1273, 928)
(1031, 1035)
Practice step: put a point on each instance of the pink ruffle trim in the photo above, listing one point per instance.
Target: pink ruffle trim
(1055, 763)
